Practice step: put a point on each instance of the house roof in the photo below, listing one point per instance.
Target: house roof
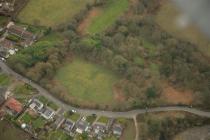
(68, 125)
(16, 29)
(21, 32)
(6, 43)
(47, 112)
(82, 125)
(36, 104)
(14, 105)
(99, 127)
(117, 129)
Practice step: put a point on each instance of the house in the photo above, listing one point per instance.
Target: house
(82, 126)
(36, 105)
(7, 44)
(109, 124)
(13, 107)
(99, 130)
(117, 130)
(22, 33)
(6, 7)
(7, 47)
(47, 113)
(68, 125)
(59, 121)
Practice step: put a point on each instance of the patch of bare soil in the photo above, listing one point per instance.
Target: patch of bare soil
(118, 94)
(175, 96)
(86, 22)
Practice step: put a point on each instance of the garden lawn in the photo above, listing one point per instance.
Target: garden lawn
(87, 82)
(103, 119)
(58, 135)
(51, 12)
(26, 118)
(47, 102)
(24, 92)
(108, 15)
(74, 117)
(39, 122)
(91, 119)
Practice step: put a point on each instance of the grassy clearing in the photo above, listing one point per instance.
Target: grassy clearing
(51, 12)
(87, 82)
(108, 15)
(167, 17)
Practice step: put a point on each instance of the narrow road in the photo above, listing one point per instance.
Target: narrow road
(128, 114)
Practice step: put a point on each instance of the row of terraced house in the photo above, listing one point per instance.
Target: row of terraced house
(14, 37)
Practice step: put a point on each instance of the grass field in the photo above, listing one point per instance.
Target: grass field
(107, 16)
(51, 12)
(87, 82)
(167, 19)
(9, 132)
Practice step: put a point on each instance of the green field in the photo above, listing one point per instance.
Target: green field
(108, 15)
(87, 82)
(51, 12)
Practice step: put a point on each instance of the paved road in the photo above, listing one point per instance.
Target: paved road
(127, 114)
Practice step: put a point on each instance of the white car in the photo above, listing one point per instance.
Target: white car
(3, 59)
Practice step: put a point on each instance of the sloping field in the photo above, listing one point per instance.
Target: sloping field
(51, 12)
(87, 82)
(9, 132)
(107, 16)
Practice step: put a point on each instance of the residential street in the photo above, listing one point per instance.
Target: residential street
(128, 114)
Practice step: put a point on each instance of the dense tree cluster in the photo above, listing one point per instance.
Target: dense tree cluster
(135, 48)
(166, 128)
